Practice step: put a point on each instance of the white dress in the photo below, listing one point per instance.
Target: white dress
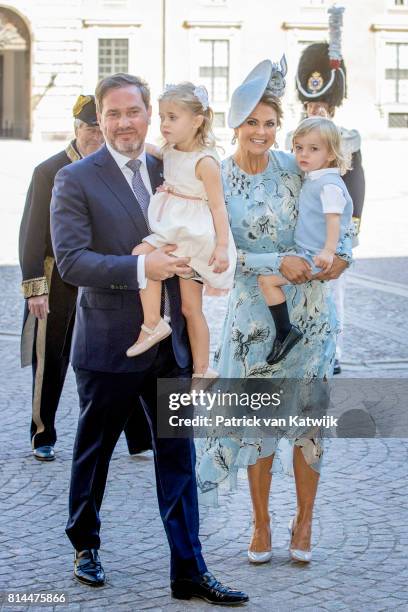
(182, 216)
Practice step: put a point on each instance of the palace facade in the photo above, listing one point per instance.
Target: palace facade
(52, 50)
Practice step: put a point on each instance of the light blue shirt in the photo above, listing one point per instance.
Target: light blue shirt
(323, 192)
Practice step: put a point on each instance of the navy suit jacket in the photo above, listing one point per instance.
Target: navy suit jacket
(95, 223)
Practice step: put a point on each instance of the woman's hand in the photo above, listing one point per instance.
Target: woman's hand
(296, 269)
(220, 259)
(338, 267)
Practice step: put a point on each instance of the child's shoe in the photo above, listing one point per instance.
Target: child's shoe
(155, 335)
(281, 349)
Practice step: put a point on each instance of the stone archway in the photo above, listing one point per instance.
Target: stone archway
(15, 75)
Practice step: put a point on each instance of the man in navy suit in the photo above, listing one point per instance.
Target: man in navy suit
(98, 214)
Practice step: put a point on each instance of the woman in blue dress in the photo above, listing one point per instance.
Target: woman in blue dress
(261, 191)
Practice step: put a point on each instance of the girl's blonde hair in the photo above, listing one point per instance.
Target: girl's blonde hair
(183, 94)
(331, 136)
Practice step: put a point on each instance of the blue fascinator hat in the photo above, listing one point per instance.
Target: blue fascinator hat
(265, 75)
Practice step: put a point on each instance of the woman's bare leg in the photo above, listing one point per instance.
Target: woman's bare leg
(198, 332)
(260, 478)
(306, 480)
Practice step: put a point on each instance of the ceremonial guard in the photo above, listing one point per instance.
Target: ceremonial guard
(50, 302)
(321, 85)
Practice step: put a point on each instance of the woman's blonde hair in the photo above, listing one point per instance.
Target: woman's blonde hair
(331, 136)
(183, 94)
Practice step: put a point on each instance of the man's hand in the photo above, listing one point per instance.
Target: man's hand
(324, 260)
(338, 267)
(160, 265)
(38, 306)
(296, 269)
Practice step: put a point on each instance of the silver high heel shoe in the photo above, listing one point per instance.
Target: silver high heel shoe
(304, 556)
(259, 557)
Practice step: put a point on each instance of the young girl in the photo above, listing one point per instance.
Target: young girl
(325, 212)
(188, 211)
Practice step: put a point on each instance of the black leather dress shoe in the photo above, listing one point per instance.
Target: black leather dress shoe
(337, 367)
(281, 349)
(44, 453)
(88, 568)
(208, 588)
(140, 451)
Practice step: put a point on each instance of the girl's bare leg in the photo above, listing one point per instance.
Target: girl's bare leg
(306, 479)
(260, 478)
(270, 287)
(150, 297)
(198, 332)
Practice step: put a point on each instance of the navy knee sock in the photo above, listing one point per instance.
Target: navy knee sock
(280, 315)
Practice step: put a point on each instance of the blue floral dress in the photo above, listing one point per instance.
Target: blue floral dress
(263, 211)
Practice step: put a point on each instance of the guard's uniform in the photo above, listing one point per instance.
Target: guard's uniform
(355, 183)
(354, 178)
(46, 343)
(321, 77)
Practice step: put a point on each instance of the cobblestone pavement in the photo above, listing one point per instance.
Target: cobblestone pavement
(361, 521)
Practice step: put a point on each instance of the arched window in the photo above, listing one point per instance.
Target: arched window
(15, 85)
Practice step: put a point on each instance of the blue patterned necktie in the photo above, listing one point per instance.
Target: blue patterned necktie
(139, 188)
(143, 198)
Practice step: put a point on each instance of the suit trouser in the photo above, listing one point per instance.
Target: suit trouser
(52, 339)
(106, 401)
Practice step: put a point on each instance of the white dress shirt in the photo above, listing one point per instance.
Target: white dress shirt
(332, 197)
(122, 160)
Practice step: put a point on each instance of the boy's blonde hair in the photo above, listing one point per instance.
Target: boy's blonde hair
(331, 136)
(183, 94)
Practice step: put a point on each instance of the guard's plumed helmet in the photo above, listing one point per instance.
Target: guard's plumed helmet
(317, 80)
(321, 73)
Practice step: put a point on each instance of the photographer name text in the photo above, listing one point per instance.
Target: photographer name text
(251, 421)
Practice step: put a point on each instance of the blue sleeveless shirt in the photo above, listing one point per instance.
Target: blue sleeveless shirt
(310, 231)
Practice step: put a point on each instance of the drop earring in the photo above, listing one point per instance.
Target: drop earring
(234, 139)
